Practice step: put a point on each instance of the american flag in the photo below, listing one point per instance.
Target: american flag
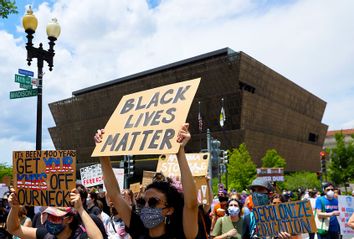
(200, 122)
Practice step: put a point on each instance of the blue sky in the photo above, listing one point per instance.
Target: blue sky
(307, 41)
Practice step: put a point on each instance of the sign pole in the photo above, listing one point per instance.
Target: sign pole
(39, 104)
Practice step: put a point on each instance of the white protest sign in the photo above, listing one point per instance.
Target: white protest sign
(91, 175)
(198, 164)
(346, 208)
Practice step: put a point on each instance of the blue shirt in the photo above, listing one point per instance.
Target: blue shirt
(330, 206)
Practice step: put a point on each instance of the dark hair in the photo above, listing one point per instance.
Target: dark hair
(82, 190)
(326, 185)
(240, 205)
(175, 200)
(280, 196)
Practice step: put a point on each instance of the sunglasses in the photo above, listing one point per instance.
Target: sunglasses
(152, 202)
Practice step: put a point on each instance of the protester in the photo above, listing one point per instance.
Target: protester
(312, 199)
(229, 226)
(277, 198)
(115, 226)
(92, 206)
(261, 191)
(3, 215)
(204, 222)
(60, 223)
(351, 221)
(167, 214)
(219, 208)
(330, 206)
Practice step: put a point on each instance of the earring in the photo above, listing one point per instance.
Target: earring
(167, 220)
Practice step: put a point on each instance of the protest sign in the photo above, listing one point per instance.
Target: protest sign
(293, 217)
(91, 175)
(135, 187)
(147, 122)
(198, 164)
(44, 178)
(119, 173)
(202, 189)
(147, 177)
(271, 174)
(346, 208)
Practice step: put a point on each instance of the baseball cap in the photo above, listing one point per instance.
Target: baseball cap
(60, 211)
(261, 182)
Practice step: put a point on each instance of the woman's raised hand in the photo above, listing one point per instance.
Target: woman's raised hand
(98, 136)
(183, 135)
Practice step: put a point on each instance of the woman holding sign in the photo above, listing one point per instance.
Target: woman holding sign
(166, 213)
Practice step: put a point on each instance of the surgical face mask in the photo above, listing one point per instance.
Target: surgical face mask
(260, 199)
(330, 194)
(54, 228)
(233, 211)
(151, 217)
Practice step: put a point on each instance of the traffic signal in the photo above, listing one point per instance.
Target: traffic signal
(225, 157)
(323, 161)
(215, 150)
(129, 165)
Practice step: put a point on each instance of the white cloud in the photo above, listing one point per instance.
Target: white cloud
(309, 42)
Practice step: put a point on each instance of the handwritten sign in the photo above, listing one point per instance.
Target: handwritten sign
(91, 175)
(294, 218)
(346, 208)
(44, 178)
(198, 164)
(135, 187)
(147, 122)
(271, 174)
(147, 177)
(202, 189)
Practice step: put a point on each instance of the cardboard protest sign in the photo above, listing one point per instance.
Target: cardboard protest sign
(346, 208)
(271, 174)
(44, 178)
(135, 187)
(202, 189)
(147, 122)
(198, 164)
(293, 217)
(91, 175)
(147, 177)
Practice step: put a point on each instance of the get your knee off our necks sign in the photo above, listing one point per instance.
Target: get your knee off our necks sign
(293, 217)
(147, 122)
(44, 178)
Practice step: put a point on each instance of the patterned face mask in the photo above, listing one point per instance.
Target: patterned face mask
(54, 228)
(151, 217)
(260, 199)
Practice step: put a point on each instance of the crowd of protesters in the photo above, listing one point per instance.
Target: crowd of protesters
(162, 209)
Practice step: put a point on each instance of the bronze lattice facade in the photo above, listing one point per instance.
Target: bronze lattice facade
(263, 109)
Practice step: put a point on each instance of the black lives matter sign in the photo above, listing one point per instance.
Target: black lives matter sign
(44, 178)
(147, 122)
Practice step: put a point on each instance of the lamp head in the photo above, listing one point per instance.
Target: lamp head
(53, 29)
(29, 21)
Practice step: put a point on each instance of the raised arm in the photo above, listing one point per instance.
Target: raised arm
(13, 222)
(112, 185)
(190, 209)
(90, 226)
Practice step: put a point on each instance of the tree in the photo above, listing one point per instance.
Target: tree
(341, 166)
(301, 180)
(241, 168)
(273, 160)
(7, 7)
(5, 170)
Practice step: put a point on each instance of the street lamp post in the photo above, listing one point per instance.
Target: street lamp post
(30, 23)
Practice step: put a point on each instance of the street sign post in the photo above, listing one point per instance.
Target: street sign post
(25, 72)
(24, 86)
(23, 93)
(23, 79)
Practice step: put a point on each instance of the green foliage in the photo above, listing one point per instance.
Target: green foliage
(7, 7)
(273, 160)
(341, 166)
(241, 168)
(5, 170)
(302, 180)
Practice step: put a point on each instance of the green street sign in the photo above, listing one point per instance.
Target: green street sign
(23, 93)
(23, 79)
(24, 86)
